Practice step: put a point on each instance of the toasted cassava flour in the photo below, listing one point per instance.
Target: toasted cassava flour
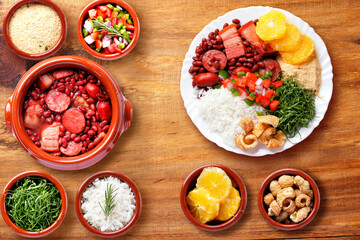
(34, 28)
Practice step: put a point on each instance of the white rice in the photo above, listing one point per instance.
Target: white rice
(222, 112)
(124, 204)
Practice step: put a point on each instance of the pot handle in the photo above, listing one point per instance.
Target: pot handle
(8, 114)
(128, 114)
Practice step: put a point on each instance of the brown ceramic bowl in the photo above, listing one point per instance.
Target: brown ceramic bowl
(120, 121)
(83, 16)
(264, 189)
(52, 50)
(189, 184)
(47, 230)
(123, 178)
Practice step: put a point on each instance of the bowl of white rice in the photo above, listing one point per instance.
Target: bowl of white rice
(108, 204)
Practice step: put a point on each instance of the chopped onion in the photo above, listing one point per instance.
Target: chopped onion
(243, 96)
(106, 41)
(117, 42)
(259, 81)
(125, 42)
(108, 23)
(230, 85)
(117, 6)
(263, 92)
(221, 77)
(121, 39)
(88, 26)
(89, 40)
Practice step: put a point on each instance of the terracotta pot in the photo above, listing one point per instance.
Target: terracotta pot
(264, 189)
(51, 51)
(123, 178)
(47, 230)
(120, 121)
(83, 17)
(189, 184)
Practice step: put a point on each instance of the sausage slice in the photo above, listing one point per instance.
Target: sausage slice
(73, 120)
(273, 66)
(72, 148)
(57, 101)
(214, 61)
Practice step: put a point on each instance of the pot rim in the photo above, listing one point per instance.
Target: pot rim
(117, 102)
(123, 178)
(114, 56)
(192, 177)
(30, 56)
(265, 184)
(55, 224)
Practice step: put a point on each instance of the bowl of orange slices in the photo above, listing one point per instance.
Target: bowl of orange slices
(213, 197)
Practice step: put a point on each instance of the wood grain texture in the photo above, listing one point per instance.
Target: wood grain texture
(163, 146)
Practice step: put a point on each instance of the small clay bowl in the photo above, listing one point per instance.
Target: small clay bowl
(47, 230)
(122, 113)
(52, 50)
(264, 189)
(123, 178)
(127, 49)
(189, 184)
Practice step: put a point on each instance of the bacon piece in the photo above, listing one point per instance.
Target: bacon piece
(50, 137)
(30, 119)
(45, 81)
(234, 47)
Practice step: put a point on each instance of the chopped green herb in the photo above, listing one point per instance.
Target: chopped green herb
(252, 94)
(85, 32)
(232, 81)
(33, 204)
(234, 92)
(117, 10)
(267, 74)
(259, 113)
(257, 74)
(100, 36)
(241, 74)
(99, 18)
(296, 108)
(110, 6)
(109, 200)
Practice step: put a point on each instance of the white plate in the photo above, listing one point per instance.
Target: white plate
(245, 15)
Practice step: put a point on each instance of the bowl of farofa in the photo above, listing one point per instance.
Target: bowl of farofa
(288, 199)
(217, 224)
(46, 32)
(92, 210)
(85, 15)
(12, 184)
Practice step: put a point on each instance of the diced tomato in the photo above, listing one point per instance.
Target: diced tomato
(92, 13)
(117, 49)
(101, 14)
(240, 69)
(277, 84)
(98, 43)
(270, 93)
(264, 101)
(241, 82)
(251, 86)
(105, 51)
(111, 48)
(108, 12)
(226, 82)
(250, 97)
(94, 35)
(114, 21)
(266, 83)
(123, 19)
(103, 8)
(274, 104)
(241, 90)
(114, 14)
(131, 35)
(258, 98)
(251, 77)
(129, 26)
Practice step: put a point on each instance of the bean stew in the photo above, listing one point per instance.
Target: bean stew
(67, 112)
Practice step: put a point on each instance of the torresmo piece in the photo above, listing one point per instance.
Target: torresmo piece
(300, 215)
(274, 209)
(302, 200)
(283, 194)
(289, 206)
(282, 216)
(268, 198)
(302, 184)
(286, 181)
(274, 187)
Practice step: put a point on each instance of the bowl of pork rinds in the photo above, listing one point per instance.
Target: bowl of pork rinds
(288, 199)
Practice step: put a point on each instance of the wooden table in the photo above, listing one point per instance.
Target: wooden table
(163, 146)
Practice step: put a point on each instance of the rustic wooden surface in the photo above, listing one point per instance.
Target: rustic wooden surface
(162, 145)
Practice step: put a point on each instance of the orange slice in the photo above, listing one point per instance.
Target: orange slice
(230, 206)
(291, 40)
(271, 26)
(301, 54)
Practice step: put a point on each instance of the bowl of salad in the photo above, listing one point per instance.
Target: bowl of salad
(108, 30)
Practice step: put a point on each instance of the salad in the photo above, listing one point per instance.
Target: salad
(108, 29)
